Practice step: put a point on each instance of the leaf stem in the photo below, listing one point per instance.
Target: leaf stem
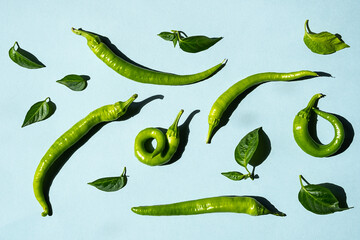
(306, 26)
(302, 178)
(124, 172)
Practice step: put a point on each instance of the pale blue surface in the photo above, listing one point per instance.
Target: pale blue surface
(259, 36)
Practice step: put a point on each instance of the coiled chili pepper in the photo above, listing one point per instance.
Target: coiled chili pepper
(137, 73)
(166, 146)
(225, 99)
(70, 137)
(303, 137)
(235, 204)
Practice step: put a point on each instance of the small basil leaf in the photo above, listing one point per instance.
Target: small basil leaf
(324, 42)
(23, 58)
(168, 36)
(196, 44)
(318, 199)
(247, 147)
(39, 111)
(236, 176)
(74, 82)
(175, 41)
(110, 184)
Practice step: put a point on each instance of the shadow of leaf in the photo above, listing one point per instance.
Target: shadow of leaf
(30, 56)
(338, 192)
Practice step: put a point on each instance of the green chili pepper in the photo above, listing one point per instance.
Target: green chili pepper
(166, 146)
(222, 103)
(235, 204)
(75, 133)
(137, 73)
(303, 137)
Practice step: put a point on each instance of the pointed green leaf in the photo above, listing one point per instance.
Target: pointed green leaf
(324, 42)
(110, 184)
(175, 41)
(24, 58)
(236, 176)
(247, 147)
(196, 44)
(318, 199)
(74, 82)
(168, 36)
(39, 111)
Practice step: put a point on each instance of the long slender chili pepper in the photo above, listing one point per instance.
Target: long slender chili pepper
(166, 146)
(303, 137)
(235, 204)
(225, 99)
(75, 133)
(137, 73)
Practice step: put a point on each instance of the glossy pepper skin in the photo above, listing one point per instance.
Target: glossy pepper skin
(234, 204)
(70, 137)
(166, 145)
(303, 137)
(225, 99)
(137, 73)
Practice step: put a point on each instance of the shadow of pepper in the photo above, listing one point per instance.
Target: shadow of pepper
(119, 53)
(235, 103)
(55, 168)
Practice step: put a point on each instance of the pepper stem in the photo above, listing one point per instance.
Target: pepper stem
(89, 36)
(313, 101)
(306, 26)
(173, 129)
(130, 100)
(209, 135)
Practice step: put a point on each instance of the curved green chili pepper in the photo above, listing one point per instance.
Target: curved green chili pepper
(140, 74)
(222, 103)
(303, 137)
(75, 133)
(166, 146)
(235, 204)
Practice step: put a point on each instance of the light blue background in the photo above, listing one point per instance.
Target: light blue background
(259, 36)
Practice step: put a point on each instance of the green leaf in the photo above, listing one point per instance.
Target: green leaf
(39, 111)
(74, 82)
(196, 44)
(168, 36)
(247, 147)
(324, 42)
(24, 58)
(175, 41)
(318, 199)
(110, 184)
(236, 176)
(191, 44)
